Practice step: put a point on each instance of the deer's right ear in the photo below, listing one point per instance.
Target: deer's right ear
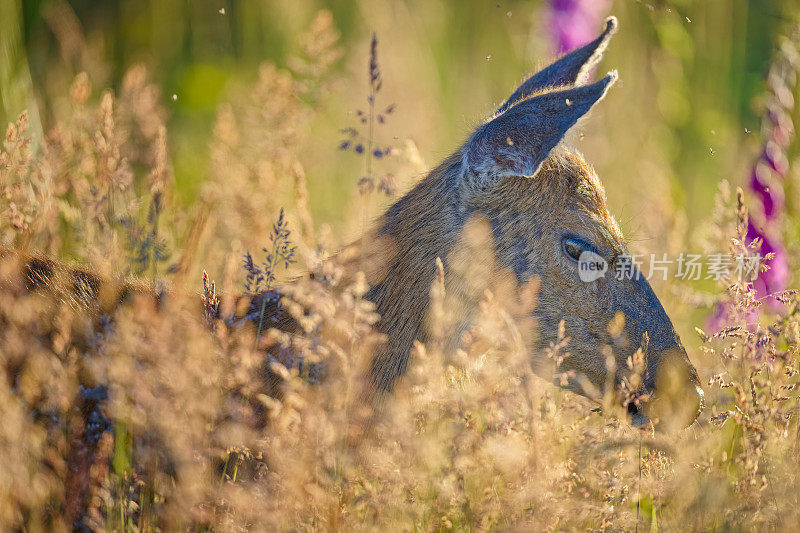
(567, 71)
(515, 143)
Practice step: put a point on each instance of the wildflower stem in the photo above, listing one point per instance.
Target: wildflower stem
(368, 154)
(225, 468)
(261, 316)
(370, 139)
(265, 293)
(639, 484)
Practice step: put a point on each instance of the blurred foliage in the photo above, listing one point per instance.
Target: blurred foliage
(690, 71)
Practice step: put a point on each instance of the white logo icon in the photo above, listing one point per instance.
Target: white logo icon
(591, 266)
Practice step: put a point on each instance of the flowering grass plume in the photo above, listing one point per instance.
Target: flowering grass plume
(364, 143)
(261, 280)
(17, 205)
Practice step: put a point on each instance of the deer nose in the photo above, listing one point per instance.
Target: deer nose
(677, 398)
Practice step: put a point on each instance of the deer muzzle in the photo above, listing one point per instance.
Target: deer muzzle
(674, 396)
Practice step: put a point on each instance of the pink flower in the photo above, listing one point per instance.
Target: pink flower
(574, 23)
(766, 184)
(774, 156)
(721, 318)
(775, 279)
(770, 197)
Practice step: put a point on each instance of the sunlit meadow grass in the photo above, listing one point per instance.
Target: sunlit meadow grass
(170, 413)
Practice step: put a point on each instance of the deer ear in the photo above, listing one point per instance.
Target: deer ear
(568, 70)
(515, 143)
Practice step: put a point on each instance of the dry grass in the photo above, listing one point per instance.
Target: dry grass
(151, 417)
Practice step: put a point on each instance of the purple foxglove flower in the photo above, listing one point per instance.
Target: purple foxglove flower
(781, 124)
(721, 318)
(766, 184)
(773, 280)
(771, 198)
(775, 157)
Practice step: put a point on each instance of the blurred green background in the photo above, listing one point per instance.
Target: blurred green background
(689, 71)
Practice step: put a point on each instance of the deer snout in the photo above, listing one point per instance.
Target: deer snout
(676, 396)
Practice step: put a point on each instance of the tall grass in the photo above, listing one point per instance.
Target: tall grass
(173, 411)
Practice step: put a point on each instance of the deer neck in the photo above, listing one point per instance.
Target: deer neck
(399, 260)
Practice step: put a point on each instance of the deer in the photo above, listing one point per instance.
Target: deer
(542, 209)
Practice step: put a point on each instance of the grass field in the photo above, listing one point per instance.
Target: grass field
(162, 141)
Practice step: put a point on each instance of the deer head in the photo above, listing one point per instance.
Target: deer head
(547, 213)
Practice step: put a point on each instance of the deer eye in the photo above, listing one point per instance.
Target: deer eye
(574, 247)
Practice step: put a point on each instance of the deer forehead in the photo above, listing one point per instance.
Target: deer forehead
(565, 192)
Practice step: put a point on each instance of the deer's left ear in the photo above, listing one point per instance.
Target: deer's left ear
(516, 142)
(567, 71)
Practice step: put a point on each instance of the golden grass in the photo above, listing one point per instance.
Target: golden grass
(151, 419)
